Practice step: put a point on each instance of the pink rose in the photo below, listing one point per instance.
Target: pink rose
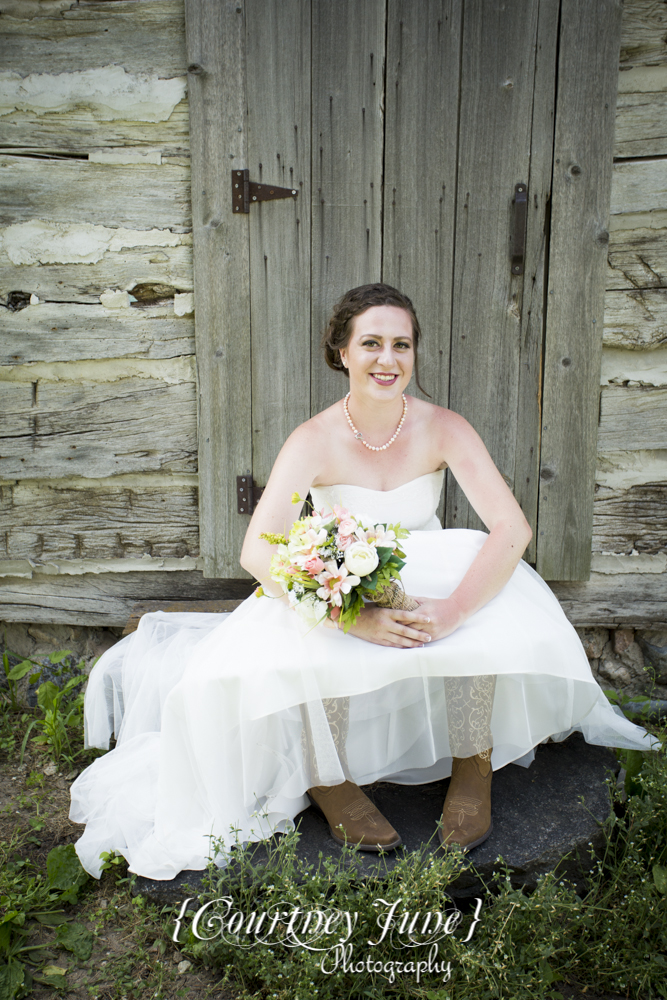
(313, 565)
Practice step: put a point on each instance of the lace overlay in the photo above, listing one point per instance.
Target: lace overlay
(469, 703)
(337, 714)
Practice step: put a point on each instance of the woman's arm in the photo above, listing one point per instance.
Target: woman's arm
(293, 471)
(492, 500)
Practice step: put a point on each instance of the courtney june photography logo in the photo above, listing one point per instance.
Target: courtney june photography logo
(330, 932)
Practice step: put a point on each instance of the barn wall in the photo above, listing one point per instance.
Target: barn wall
(98, 451)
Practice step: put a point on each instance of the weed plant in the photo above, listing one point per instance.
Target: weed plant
(612, 937)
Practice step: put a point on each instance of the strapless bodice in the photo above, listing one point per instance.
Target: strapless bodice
(413, 504)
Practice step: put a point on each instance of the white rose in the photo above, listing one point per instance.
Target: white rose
(311, 611)
(361, 558)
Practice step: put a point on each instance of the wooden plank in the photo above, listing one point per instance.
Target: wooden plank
(637, 259)
(347, 128)
(635, 518)
(643, 34)
(278, 94)
(106, 598)
(587, 83)
(627, 600)
(79, 131)
(126, 268)
(216, 52)
(508, 91)
(44, 521)
(97, 429)
(639, 186)
(423, 56)
(641, 124)
(56, 37)
(178, 607)
(632, 418)
(137, 197)
(55, 331)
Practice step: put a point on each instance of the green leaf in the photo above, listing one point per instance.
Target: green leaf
(65, 872)
(660, 878)
(75, 938)
(51, 918)
(634, 761)
(11, 980)
(20, 670)
(60, 656)
(46, 694)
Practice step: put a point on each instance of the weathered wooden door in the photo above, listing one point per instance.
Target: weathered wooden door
(412, 132)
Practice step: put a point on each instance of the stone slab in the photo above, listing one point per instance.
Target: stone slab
(540, 814)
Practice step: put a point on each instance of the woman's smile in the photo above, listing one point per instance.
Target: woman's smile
(383, 378)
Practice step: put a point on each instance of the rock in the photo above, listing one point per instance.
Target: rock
(537, 814)
(184, 966)
(654, 647)
(623, 637)
(593, 640)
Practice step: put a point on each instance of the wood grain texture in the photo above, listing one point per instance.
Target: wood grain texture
(76, 283)
(635, 518)
(632, 418)
(178, 607)
(215, 36)
(94, 429)
(643, 33)
(635, 319)
(508, 92)
(639, 186)
(587, 84)
(106, 598)
(641, 124)
(347, 129)
(628, 600)
(135, 197)
(637, 259)
(71, 332)
(43, 522)
(278, 95)
(423, 43)
(47, 38)
(79, 131)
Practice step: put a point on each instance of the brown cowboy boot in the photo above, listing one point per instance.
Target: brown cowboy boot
(466, 814)
(352, 817)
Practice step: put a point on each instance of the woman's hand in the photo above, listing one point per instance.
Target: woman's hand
(390, 627)
(445, 615)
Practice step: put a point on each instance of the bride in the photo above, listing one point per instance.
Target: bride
(227, 726)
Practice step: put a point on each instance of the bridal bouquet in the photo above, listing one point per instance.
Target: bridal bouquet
(334, 561)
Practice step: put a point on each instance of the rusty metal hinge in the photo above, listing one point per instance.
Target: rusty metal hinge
(518, 247)
(245, 191)
(247, 494)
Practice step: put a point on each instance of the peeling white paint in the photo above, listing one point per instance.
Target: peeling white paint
(25, 569)
(115, 299)
(184, 303)
(40, 242)
(172, 371)
(34, 299)
(126, 156)
(610, 565)
(110, 92)
(622, 469)
(634, 367)
(642, 80)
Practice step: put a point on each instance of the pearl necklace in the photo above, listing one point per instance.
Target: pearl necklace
(360, 437)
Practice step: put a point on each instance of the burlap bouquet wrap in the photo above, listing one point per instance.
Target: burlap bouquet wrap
(394, 596)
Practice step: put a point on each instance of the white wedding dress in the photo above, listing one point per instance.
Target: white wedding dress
(217, 717)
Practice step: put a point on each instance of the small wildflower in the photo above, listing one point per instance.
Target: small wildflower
(296, 498)
(273, 539)
(259, 592)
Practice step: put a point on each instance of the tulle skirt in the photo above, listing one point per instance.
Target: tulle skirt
(223, 721)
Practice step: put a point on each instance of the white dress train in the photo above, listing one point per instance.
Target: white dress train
(213, 714)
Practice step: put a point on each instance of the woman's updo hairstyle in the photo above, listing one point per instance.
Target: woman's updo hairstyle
(339, 328)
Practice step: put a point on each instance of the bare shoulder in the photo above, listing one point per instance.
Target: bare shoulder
(446, 426)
